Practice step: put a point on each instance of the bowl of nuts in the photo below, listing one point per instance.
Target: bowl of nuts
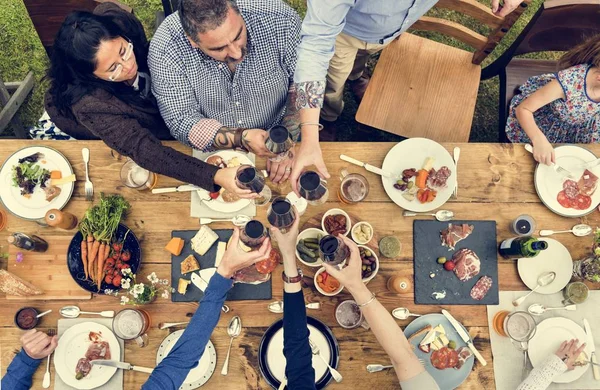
(336, 221)
(370, 263)
(362, 232)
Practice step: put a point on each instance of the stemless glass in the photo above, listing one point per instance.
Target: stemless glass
(248, 177)
(281, 214)
(253, 234)
(333, 250)
(132, 324)
(353, 188)
(313, 188)
(136, 177)
(279, 142)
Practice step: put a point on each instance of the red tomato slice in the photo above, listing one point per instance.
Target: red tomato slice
(582, 202)
(563, 200)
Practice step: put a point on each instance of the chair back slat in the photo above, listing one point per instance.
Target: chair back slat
(474, 9)
(452, 29)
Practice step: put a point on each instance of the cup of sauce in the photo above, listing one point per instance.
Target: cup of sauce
(26, 318)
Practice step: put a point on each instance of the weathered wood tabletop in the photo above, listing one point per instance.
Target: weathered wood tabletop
(495, 183)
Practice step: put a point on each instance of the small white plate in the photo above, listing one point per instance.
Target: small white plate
(412, 153)
(556, 258)
(198, 375)
(548, 183)
(73, 345)
(310, 233)
(549, 335)
(36, 206)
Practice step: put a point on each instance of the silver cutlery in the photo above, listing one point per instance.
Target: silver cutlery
(537, 309)
(316, 351)
(181, 188)
(283, 384)
(543, 280)
(277, 306)
(464, 336)
(557, 168)
(370, 168)
(46, 381)
(379, 367)
(580, 230)
(89, 187)
(233, 330)
(121, 365)
(403, 313)
(74, 312)
(166, 325)
(238, 220)
(440, 215)
(456, 157)
(43, 314)
(591, 164)
(590, 342)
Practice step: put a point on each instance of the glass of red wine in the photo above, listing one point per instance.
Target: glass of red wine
(248, 177)
(253, 234)
(281, 214)
(313, 188)
(279, 142)
(333, 250)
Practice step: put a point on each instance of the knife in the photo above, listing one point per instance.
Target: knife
(592, 347)
(557, 168)
(465, 336)
(121, 365)
(591, 164)
(181, 188)
(369, 167)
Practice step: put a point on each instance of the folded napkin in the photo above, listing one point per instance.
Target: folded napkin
(508, 360)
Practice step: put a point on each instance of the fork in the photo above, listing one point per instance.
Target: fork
(315, 351)
(379, 367)
(89, 187)
(46, 382)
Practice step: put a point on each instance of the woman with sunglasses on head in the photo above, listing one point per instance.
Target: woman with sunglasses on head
(100, 89)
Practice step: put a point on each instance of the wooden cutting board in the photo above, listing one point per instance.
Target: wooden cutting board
(47, 271)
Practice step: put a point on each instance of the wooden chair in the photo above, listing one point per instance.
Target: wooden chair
(422, 88)
(9, 104)
(557, 26)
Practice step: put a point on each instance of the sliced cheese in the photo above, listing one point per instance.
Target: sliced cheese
(183, 285)
(175, 246)
(221, 248)
(63, 180)
(429, 337)
(444, 340)
(203, 240)
(189, 264)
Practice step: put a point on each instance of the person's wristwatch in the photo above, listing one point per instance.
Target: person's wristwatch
(294, 279)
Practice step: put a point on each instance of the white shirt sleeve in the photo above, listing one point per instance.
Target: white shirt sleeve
(541, 377)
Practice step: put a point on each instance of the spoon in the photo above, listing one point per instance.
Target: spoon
(537, 309)
(277, 306)
(43, 314)
(440, 215)
(580, 230)
(238, 220)
(403, 313)
(233, 330)
(74, 312)
(377, 367)
(543, 280)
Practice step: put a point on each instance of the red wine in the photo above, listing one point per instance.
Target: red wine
(329, 244)
(333, 250)
(254, 229)
(310, 186)
(281, 215)
(249, 179)
(279, 134)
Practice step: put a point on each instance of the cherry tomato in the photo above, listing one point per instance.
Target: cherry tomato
(110, 263)
(125, 266)
(115, 256)
(126, 256)
(449, 265)
(117, 281)
(214, 195)
(116, 272)
(108, 279)
(117, 247)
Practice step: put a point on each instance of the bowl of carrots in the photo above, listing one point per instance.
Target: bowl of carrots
(327, 284)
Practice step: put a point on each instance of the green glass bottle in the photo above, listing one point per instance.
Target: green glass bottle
(519, 247)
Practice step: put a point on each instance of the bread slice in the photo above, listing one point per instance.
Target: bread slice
(418, 333)
(189, 264)
(13, 285)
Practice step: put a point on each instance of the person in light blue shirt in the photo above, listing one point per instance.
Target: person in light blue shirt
(337, 38)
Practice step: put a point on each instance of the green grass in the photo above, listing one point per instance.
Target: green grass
(21, 51)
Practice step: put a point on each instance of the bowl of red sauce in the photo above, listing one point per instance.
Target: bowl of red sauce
(26, 318)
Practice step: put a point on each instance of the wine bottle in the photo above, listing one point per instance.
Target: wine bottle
(519, 247)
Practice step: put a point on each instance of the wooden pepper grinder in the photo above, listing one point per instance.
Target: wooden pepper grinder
(61, 219)
(400, 284)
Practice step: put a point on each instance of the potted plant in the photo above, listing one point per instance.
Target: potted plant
(589, 268)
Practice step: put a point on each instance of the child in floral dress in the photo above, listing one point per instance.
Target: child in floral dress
(562, 107)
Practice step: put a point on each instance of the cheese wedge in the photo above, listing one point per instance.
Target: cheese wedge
(63, 180)
(189, 264)
(221, 248)
(204, 240)
(175, 246)
(182, 286)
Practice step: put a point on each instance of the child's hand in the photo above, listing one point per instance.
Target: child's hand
(543, 152)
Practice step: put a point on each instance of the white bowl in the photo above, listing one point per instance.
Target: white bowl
(319, 289)
(360, 224)
(310, 233)
(367, 280)
(336, 212)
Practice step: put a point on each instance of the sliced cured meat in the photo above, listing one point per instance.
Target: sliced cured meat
(452, 358)
(467, 264)
(454, 234)
(581, 202)
(250, 275)
(268, 265)
(464, 353)
(587, 183)
(83, 368)
(563, 199)
(570, 183)
(571, 189)
(438, 179)
(98, 351)
(439, 358)
(481, 288)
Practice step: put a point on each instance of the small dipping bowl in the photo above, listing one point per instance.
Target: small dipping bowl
(26, 318)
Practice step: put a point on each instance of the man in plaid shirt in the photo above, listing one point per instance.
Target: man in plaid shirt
(222, 72)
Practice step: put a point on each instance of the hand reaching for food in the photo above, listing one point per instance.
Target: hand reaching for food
(569, 352)
(225, 177)
(38, 345)
(543, 152)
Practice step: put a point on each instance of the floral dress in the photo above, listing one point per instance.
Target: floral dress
(575, 119)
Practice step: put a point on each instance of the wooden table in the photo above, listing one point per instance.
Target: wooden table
(496, 183)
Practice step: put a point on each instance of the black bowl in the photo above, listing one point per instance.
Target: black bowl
(35, 319)
(76, 266)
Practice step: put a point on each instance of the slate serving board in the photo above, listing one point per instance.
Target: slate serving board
(428, 247)
(239, 292)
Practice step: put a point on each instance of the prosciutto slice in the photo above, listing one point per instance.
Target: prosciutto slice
(587, 183)
(464, 353)
(438, 179)
(454, 234)
(467, 264)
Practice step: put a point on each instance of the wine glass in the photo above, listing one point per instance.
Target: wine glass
(253, 234)
(279, 142)
(281, 214)
(333, 250)
(136, 177)
(248, 177)
(313, 188)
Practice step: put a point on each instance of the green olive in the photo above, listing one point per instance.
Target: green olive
(441, 260)
(452, 344)
(410, 184)
(401, 182)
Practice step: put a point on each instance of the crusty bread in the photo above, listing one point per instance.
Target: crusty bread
(13, 285)
(420, 332)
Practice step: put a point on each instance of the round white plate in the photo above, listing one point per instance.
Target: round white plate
(36, 206)
(218, 204)
(555, 258)
(412, 153)
(198, 375)
(73, 345)
(548, 183)
(549, 335)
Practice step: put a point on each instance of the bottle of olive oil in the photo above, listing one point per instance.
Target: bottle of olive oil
(519, 247)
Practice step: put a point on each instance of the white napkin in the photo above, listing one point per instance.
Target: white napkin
(200, 210)
(508, 360)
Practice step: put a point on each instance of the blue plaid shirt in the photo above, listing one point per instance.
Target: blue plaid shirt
(197, 94)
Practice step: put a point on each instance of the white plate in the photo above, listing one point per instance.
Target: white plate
(555, 258)
(198, 375)
(411, 153)
(36, 206)
(276, 359)
(73, 345)
(218, 204)
(549, 335)
(548, 183)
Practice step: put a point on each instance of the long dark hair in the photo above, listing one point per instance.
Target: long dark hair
(73, 59)
(587, 52)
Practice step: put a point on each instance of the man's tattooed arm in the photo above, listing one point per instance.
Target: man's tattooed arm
(291, 120)
(230, 138)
